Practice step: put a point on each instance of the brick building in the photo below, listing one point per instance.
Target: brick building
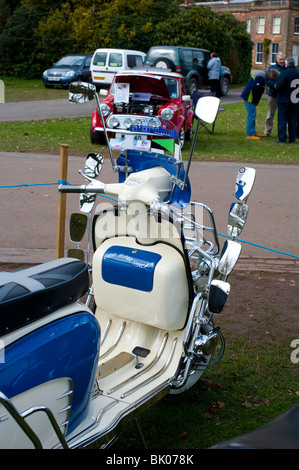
(272, 24)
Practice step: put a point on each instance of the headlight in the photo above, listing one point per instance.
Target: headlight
(128, 122)
(71, 73)
(113, 122)
(167, 114)
(45, 73)
(105, 109)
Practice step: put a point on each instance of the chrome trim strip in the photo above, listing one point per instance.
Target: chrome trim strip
(66, 394)
(104, 335)
(118, 417)
(103, 411)
(115, 342)
(142, 371)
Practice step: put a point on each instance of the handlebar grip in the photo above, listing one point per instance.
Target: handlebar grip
(66, 188)
(83, 188)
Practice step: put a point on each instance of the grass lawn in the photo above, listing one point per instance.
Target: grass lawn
(229, 142)
(20, 89)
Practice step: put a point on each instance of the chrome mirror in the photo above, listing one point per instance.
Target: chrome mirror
(244, 183)
(229, 256)
(81, 92)
(93, 165)
(219, 292)
(76, 253)
(237, 216)
(78, 223)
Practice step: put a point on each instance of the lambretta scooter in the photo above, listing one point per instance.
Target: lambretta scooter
(71, 373)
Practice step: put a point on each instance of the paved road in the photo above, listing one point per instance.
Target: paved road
(48, 109)
(29, 214)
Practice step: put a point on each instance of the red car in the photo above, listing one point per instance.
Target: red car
(145, 97)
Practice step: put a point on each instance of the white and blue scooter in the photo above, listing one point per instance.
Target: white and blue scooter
(72, 371)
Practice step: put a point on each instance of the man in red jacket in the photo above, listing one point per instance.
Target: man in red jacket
(287, 100)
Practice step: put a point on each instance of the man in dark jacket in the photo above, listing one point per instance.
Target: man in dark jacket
(251, 95)
(272, 95)
(287, 100)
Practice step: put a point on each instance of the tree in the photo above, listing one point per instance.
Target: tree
(36, 33)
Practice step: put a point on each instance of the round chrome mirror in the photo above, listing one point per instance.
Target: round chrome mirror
(81, 92)
(237, 216)
(229, 256)
(93, 165)
(244, 183)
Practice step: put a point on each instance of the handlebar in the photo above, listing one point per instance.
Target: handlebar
(94, 187)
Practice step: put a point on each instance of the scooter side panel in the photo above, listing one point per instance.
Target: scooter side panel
(67, 347)
(163, 302)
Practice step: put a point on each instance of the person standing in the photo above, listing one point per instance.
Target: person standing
(287, 102)
(214, 67)
(251, 95)
(272, 95)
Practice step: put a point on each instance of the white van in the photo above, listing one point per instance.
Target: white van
(106, 62)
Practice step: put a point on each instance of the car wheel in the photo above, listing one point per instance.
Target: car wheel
(164, 64)
(193, 86)
(97, 138)
(224, 85)
(182, 137)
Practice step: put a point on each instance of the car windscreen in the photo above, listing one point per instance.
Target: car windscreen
(115, 59)
(71, 61)
(99, 58)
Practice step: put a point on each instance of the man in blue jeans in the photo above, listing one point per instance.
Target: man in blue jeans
(287, 100)
(251, 95)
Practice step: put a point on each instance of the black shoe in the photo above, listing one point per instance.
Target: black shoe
(279, 142)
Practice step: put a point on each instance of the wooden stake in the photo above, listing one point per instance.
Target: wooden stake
(61, 211)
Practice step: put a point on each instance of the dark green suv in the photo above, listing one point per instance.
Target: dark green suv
(188, 61)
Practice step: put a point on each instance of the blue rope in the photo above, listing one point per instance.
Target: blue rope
(112, 199)
(260, 246)
(37, 184)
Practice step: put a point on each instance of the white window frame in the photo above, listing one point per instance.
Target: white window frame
(296, 26)
(274, 51)
(261, 21)
(259, 51)
(276, 25)
(295, 50)
(248, 25)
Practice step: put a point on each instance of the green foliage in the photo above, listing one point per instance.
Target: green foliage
(36, 33)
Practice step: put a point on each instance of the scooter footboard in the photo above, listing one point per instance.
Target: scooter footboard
(142, 283)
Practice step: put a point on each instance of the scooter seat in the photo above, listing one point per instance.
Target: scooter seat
(280, 433)
(29, 294)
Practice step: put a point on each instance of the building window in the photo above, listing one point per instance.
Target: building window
(295, 49)
(274, 51)
(296, 29)
(259, 53)
(261, 25)
(248, 25)
(276, 25)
